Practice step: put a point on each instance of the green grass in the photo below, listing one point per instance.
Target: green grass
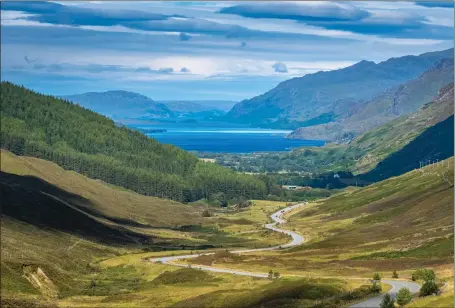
(279, 293)
(439, 248)
(97, 273)
(184, 275)
(403, 223)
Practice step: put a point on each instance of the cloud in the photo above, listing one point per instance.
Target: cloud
(184, 36)
(184, 70)
(443, 4)
(98, 68)
(55, 13)
(166, 70)
(28, 60)
(280, 67)
(302, 11)
(58, 14)
(349, 18)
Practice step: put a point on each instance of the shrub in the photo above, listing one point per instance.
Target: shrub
(276, 275)
(270, 274)
(423, 274)
(376, 277)
(429, 288)
(206, 213)
(404, 296)
(183, 275)
(375, 287)
(394, 274)
(387, 302)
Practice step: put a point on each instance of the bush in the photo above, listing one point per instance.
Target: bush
(394, 274)
(376, 277)
(276, 275)
(387, 302)
(429, 288)
(184, 275)
(206, 213)
(423, 274)
(375, 287)
(404, 296)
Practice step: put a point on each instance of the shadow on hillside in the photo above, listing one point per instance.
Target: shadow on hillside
(39, 203)
(433, 144)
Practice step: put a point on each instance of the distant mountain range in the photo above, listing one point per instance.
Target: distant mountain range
(120, 104)
(199, 105)
(130, 105)
(203, 109)
(326, 97)
(358, 117)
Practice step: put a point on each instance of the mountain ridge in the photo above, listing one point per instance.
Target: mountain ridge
(394, 102)
(118, 104)
(302, 98)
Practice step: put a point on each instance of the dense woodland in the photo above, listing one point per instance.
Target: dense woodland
(78, 139)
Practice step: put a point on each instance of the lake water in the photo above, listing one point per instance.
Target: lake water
(229, 139)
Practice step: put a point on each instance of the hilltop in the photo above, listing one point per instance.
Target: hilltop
(120, 104)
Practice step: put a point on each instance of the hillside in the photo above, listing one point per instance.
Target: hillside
(393, 103)
(361, 231)
(366, 150)
(59, 227)
(432, 145)
(308, 97)
(94, 196)
(380, 142)
(198, 105)
(120, 104)
(88, 143)
(192, 110)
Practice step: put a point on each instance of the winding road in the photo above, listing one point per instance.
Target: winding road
(374, 302)
(297, 239)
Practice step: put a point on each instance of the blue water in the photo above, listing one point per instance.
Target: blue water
(228, 139)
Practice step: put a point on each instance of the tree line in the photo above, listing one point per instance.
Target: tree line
(78, 139)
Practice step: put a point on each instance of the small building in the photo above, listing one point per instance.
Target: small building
(290, 187)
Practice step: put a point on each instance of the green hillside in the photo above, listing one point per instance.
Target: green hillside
(57, 225)
(379, 143)
(403, 223)
(88, 143)
(432, 145)
(424, 129)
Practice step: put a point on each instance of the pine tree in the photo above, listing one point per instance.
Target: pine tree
(387, 302)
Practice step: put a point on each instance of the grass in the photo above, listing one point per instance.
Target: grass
(92, 272)
(403, 223)
(352, 234)
(184, 275)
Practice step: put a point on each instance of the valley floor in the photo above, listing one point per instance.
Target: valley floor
(351, 235)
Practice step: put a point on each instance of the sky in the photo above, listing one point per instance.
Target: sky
(206, 50)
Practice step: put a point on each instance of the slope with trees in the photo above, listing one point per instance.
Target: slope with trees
(81, 140)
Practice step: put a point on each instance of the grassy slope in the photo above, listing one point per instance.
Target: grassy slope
(402, 223)
(41, 231)
(433, 144)
(119, 203)
(380, 142)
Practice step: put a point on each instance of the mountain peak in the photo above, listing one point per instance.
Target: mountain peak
(364, 63)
